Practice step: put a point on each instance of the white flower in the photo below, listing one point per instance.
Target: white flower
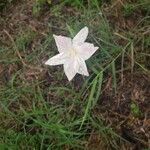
(73, 53)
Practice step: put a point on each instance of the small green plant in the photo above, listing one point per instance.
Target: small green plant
(135, 110)
(128, 9)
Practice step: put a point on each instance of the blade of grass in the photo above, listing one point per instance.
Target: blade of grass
(132, 57)
(114, 76)
(100, 81)
(89, 101)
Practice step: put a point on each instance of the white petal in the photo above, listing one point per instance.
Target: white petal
(82, 67)
(71, 68)
(81, 36)
(63, 43)
(57, 60)
(86, 50)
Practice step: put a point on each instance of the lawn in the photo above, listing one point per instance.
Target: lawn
(108, 110)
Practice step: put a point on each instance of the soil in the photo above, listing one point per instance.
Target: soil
(116, 110)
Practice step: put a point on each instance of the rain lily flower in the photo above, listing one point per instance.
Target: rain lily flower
(73, 53)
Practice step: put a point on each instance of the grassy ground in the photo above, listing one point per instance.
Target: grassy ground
(40, 109)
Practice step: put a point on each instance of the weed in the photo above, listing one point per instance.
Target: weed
(129, 9)
(135, 110)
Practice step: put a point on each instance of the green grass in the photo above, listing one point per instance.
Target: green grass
(41, 109)
(131, 8)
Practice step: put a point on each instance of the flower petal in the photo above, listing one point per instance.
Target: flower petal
(81, 36)
(57, 60)
(82, 67)
(63, 43)
(71, 68)
(86, 50)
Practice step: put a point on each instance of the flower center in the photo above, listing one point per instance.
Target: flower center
(72, 53)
